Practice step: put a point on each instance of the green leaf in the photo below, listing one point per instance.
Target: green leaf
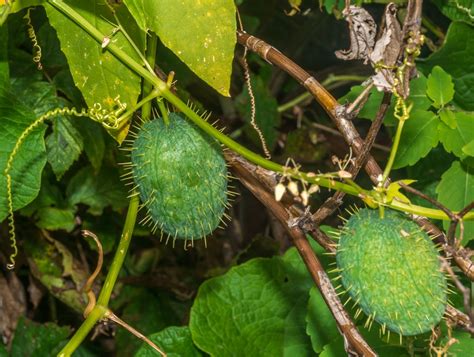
(462, 10)
(38, 340)
(107, 227)
(64, 145)
(93, 135)
(97, 190)
(152, 316)
(3, 351)
(417, 97)
(174, 341)
(201, 33)
(419, 136)
(448, 117)
(455, 191)
(455, 139)
(468, 149)
(39, 96)
(18, 5)
(53, 218)
(320, 323)
(457, 58)
(463, 346)
(98, 74)
(380, 344)
(5, 10)
(267, 117)
(30, 158)
(334, 349)
(255, 309)
(440, 87)
(56, 268)
(4, 71)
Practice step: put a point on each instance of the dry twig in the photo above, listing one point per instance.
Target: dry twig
(354, 344)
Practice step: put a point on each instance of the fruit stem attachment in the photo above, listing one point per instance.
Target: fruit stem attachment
(154, 94)
(100, 309)
(163, 111)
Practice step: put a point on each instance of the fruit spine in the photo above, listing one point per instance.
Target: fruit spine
(391, 269)
(181, 176)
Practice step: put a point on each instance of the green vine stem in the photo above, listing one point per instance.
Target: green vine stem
(101, 308)
(393, 152)
(402, 113)
(147, 86)
(162, 87)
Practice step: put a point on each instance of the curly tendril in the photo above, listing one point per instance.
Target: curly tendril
(108, 118)
(34, 40)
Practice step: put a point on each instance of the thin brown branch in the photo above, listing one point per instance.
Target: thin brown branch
(111, 316)
(336, 133)
(459, 319)
(466, 293)
(455, 218)
(354, 342)
(335, 201)
(427, 198)
(327, 101)
(345, 126)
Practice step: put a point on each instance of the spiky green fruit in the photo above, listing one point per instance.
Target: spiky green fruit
(181, 176)
(391, 268)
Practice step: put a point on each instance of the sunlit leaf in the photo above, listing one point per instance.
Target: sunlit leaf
(201, 33)
(440, 87)
(419, 136)
(100, 76)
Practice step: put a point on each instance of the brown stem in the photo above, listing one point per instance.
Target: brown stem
(354, 342)
(345, 126)
(111, 316)
(335, 201)
(466, 293)
(327, 101)
(455, 218)
(429, 199)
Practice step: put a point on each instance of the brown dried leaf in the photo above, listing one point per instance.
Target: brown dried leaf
(362, 29)
(12, 303)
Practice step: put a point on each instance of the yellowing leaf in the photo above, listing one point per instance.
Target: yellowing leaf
(201, 33)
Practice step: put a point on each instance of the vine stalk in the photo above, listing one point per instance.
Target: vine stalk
(162, 87)
(100, 310)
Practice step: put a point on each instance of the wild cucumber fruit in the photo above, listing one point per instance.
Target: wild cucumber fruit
(181, 175)
(391, 268)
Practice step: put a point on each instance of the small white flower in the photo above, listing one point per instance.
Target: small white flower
(305, 197)
(313, 189)
(293, 188)
(344, 174)
(279, 191)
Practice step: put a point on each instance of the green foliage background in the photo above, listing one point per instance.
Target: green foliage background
(247, 292)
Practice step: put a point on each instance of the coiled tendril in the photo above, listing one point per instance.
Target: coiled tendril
(108, 118)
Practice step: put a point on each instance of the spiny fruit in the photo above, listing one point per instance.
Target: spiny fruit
(181, 175)
(390, 267)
